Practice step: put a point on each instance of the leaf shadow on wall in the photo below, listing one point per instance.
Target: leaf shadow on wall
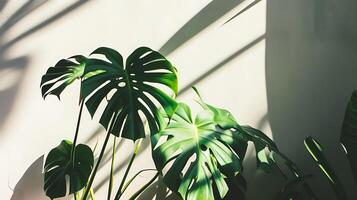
(205, 17)
(12, 73)
(13, 69)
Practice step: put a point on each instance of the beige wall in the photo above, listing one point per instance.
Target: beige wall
(234, 66)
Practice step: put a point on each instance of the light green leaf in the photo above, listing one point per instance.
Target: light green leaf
(198, 145)
(222, 117)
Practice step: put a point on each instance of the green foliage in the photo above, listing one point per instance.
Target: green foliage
(132, 95)
(207, 152)
(59, 164)
(199, 158)
(200, 138)
(349, 133)
(132, 86)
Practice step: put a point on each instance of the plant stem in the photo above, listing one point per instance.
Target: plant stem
(89, 185)
(136, 194)
(136, 150)
(111, 180)
(77, 130)
(91, 193)
(76, 196)
(132, 179)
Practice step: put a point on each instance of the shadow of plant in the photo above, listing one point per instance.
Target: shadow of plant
(12, 70)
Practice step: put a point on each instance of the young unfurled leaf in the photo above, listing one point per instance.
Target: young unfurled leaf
(59, 164)
(133, 89)
(197, 144)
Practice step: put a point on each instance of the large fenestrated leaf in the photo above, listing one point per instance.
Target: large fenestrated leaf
(59, 164)
(133, 89)
(349, 133)
(199, 145)
(64, 73)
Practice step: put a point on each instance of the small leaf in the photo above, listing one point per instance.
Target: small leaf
(59, 165)
(261, 142)
(221, 116)
(64, 73)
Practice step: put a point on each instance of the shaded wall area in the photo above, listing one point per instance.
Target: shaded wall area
(311, 71)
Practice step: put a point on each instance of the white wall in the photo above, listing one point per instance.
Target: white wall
(227, 63)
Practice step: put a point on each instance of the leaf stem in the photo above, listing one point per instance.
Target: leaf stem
(111, 180)
(77, 130)
(136, 150)
(76, 196)
(91, 193)
(132, 179)
(136, 194)
(89, 185)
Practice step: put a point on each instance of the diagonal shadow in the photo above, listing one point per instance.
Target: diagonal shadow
(220, 65)
(243, 11)
(209, 14)
(20, 13)
(46, 22)
(12, 69)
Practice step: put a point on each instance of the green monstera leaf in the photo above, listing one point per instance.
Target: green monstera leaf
(59, 164)
(349, 133)
(132, 89)
(199, 145)
(64, 73)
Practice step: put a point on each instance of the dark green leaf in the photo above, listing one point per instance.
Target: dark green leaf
(316, 152)
(349, 133)
(133, 90)
(198, 145)
(59, 165)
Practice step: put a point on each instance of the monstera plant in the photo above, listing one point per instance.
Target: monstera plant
(130, 99)
(204, 153)
(197, 157)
